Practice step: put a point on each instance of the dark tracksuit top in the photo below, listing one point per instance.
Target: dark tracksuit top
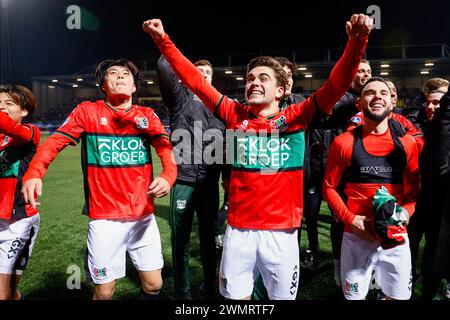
(197, 182)
(439, 152)
(185, 109)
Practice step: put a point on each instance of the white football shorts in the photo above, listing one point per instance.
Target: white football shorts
(17, 240)
(391, 267)
(109, 240)
(248, 252)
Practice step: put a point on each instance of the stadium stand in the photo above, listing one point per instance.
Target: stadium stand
(405, 65)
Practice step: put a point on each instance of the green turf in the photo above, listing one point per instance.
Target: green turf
(61, 243)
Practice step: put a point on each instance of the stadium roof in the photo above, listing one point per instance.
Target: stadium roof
(229, 71)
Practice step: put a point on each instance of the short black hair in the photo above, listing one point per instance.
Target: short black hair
(103, 67)
(373, 79)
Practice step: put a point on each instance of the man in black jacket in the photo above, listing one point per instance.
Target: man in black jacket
(422, 114)
(440, 163)
(193, 128)
(427, 218)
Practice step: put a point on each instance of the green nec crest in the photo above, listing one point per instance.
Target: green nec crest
(117, 150)
(141, 123)
(275, 152)
(279, 123)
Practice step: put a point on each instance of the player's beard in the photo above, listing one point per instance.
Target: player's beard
(376, 117)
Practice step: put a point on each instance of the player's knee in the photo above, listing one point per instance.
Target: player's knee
(152, 286)
(5, 294)
(104, 292)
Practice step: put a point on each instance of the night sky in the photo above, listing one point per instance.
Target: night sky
(41, 44)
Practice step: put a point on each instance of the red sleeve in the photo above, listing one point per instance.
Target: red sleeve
(73, 127)
(45, 154)
(163, 149)
(68, 133)
(160, 141)
(36, 133)
(411, 130)
(339, 157)
(192, 78)
(411, 175)
(14, 130)
(342, 75)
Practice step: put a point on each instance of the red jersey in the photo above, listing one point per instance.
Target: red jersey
(115, 155)
(266, 181)
(362, 163)
(410, 128)
(18, 144)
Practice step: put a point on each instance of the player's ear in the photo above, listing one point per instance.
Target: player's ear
(279, 93)
(23, 113)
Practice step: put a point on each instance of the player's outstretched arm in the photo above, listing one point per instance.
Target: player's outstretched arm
(14, 130)
(185, 70)
(155, 28)
(46, 153)
(341, 77)
(359, 26)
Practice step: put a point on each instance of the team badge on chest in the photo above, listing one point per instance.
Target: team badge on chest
(141, 123)
(244, 124)
(279, 123)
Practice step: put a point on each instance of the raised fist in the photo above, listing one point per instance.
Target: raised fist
(359, 26)
(155, 28)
